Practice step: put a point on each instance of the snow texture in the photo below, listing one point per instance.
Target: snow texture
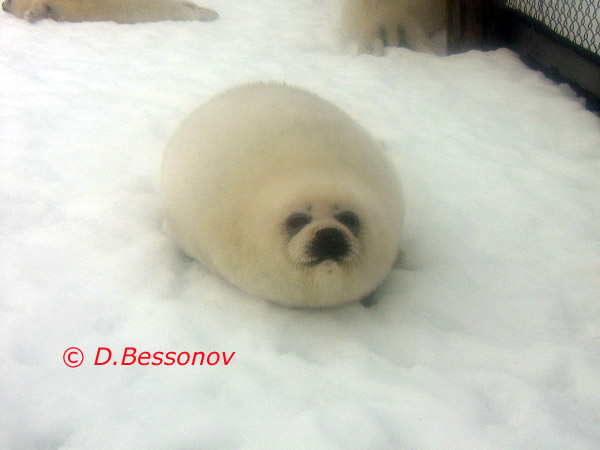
(487, 338)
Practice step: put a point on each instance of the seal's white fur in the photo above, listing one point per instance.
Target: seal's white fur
(121, 11)
(253, 156)
(376, 22)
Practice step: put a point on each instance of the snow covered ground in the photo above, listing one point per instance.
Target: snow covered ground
(490, 339)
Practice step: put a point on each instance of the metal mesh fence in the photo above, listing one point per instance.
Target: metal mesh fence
(576, 20)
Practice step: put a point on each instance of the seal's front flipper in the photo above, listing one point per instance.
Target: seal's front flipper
(368, 300)
(400, 262)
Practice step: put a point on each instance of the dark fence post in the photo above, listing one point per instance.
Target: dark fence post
(472, 24)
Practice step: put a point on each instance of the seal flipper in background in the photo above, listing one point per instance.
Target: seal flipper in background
(369, 300)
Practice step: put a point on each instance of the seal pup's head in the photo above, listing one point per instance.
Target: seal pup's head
(18, 8)
(318, 244)
(323, 234)
(34, 10)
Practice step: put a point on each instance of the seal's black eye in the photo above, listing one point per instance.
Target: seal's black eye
(350, 220)
(296, 222)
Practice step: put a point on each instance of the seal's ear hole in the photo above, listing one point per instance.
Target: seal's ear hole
(350, 220)
(296, 222)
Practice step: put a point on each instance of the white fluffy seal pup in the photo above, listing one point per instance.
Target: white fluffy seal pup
(375, 23)
(284, 195)
(120, 11)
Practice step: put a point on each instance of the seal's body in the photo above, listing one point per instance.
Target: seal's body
(374, 23)
(121, 11)
(284, 195)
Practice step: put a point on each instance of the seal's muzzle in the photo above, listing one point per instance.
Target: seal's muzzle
(328, 243)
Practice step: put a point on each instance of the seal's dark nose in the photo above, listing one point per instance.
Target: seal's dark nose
(329, 243)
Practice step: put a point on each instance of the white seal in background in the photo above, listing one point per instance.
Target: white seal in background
(120, 11)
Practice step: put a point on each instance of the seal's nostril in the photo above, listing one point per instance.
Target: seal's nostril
(329, 243)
